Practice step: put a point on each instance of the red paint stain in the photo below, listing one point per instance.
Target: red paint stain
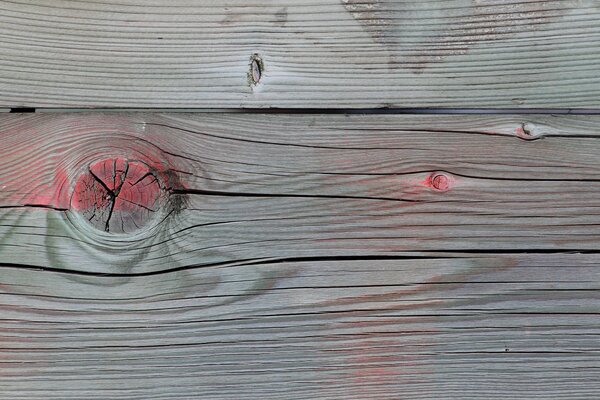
(49, 193)
(384, 346)
(376, 357)
(520, 131)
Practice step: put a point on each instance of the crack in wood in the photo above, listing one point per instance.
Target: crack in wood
(118, 186)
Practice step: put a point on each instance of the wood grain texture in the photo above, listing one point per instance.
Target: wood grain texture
(304, 256)
(471, 327)
(313, 53)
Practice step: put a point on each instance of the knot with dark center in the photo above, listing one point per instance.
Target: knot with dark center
(118, 195)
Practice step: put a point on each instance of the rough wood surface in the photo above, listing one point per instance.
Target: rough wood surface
(301, 256)
(312, 53)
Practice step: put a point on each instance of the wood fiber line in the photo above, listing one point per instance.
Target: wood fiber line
(290, 54)
(299, 256)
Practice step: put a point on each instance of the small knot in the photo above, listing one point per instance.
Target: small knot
(439, 181)
(528, 131)
(256, 69)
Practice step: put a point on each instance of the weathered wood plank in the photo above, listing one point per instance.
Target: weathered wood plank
(240, 187)
(314, 53)
(299, 256)
(471, 327)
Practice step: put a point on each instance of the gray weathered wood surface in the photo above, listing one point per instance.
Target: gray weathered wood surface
(305, 256)
(315, 53)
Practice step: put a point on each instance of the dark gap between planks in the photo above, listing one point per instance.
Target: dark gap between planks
(446, 111)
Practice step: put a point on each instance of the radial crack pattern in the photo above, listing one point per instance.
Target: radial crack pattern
(117, 195)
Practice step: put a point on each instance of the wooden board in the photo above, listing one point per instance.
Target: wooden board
(314, 53)
(485, 326)
(299, 256)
